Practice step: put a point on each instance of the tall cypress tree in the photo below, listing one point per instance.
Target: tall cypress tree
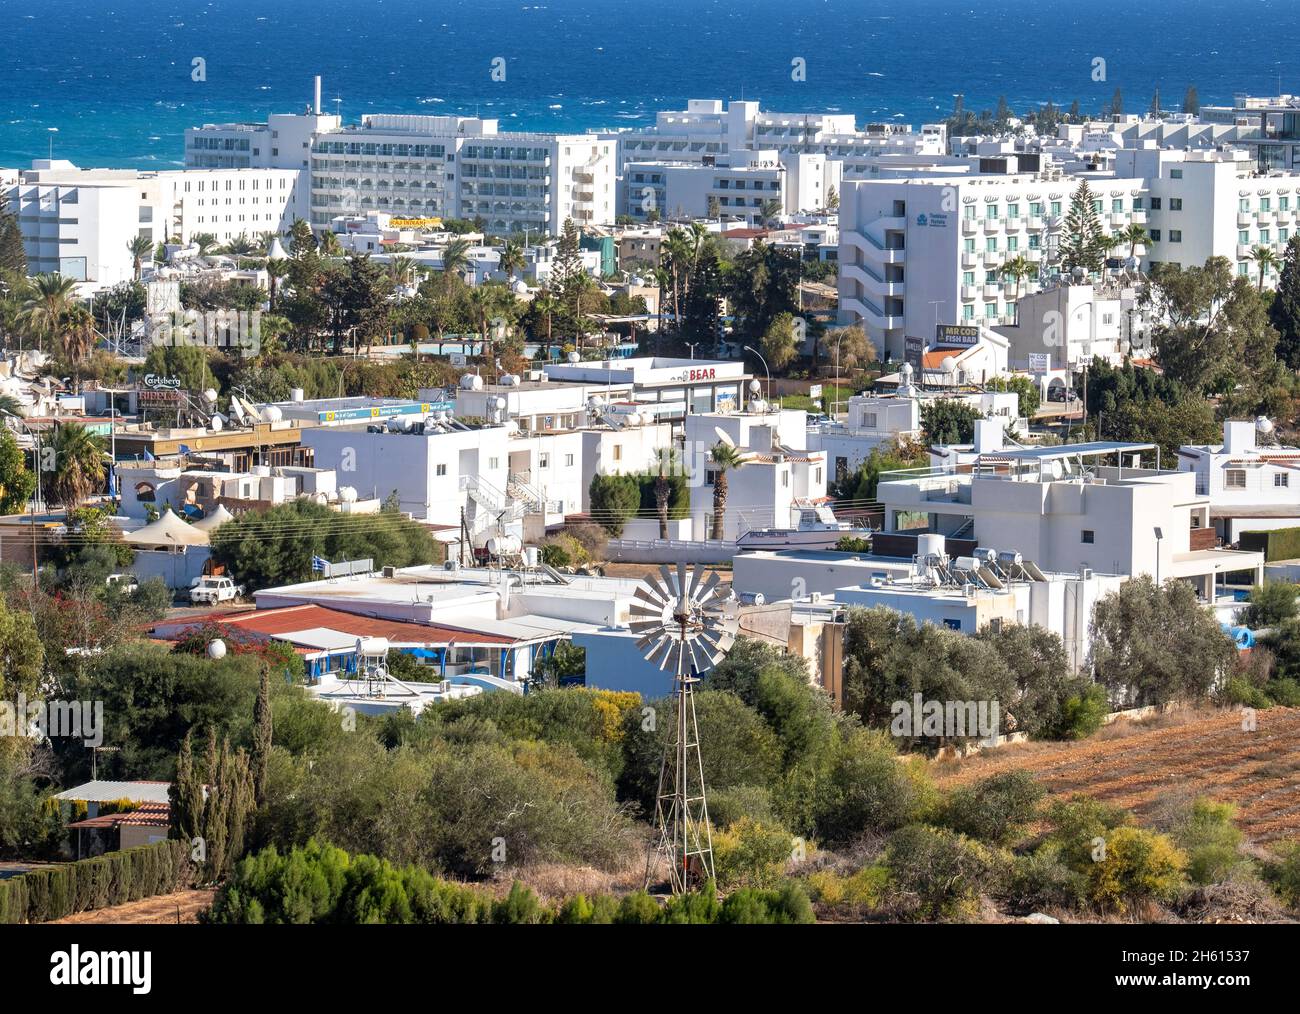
(262, 736)
(1284, 312)
(1191, 101)
(13, 256)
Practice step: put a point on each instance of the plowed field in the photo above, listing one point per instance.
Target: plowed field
(1142, 766)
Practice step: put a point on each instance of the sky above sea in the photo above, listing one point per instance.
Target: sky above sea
(115, 77)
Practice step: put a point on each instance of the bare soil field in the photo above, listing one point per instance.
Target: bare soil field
(1147, 766)
(178, 907)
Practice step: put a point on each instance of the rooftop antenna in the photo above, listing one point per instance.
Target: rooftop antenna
(690, 621)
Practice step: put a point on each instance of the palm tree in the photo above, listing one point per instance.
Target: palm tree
(676, 254)
(205, 241)
(548, 306)
(580, 285)
(275, 270)
(512, 259)
(241, 246)
(771, 209)
(330, 245)
(1265, 259)
(455, 257)
(139, 248)
(400, 270)
(483, 305)
(265, 239)
(79, 465)
(1134, 235)
(1019, 269)
(45, 303)
(662, 490)
(726, 457)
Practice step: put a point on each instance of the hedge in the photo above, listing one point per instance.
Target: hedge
(1275, 544)
(114, 878)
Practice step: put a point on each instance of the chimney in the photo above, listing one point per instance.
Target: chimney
(315, 108)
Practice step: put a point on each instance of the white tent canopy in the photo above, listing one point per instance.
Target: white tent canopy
(168, 532)
(213, 519)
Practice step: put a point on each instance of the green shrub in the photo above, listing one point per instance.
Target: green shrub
(994, 809)
(785, 905)
(1240, 691)
(751, 854)
(1210, 839)
(519, 906)
(637, 909)
(1042, 880)
(1284, 874)
(936, 873)
(1082, 713)
(1137, 865)
(1285, 692)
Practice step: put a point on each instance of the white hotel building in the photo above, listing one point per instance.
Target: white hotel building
(77, 222)
(709, 128)
(930, 249)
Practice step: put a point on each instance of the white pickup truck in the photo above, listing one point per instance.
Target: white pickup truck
(211, 590)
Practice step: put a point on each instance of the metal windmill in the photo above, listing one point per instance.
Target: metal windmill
(688, 621)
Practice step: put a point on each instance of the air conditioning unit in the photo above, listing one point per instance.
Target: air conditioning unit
(390, 572)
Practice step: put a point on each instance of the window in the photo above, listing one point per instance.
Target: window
(785, 480)
(494, 462)
(1056, 208)
(1265, 204)
(1281, 479)
(968, 245)
(544, 460)
(1013, 243)
(1235, 478)
(991, 212)
(618, 452)
(968, 212)
(991, 245)
(1243, 236)
(1175, 204)
(968, 312)
(1263, 236)
(1088, 536)
(1243, 204)
(1175, 235)
(1155, 235)
(1117, 206)
(1175, 174)
(442, 470)
(869, 420)
(1155, 203)
(710, 476)
(568, 461)
(952, 624)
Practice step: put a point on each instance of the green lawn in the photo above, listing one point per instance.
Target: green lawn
(828, 394)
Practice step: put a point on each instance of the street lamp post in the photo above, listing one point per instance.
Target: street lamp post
(750, 348)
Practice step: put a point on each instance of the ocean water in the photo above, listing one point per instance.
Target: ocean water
(114, 77)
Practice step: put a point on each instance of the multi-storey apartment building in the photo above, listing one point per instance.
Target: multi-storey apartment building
(78, 221)
(739, 186)
(933, 248)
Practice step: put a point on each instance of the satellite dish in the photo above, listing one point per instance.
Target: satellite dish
(210, 396)
(1264, 425)
(272, 413)
(949, 365)
(723, 436)
(216, 424)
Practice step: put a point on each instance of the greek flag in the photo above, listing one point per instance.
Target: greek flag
(149, 457)
(318, 564)
(184, 449)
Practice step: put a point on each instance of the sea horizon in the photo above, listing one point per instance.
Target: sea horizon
(570, 65)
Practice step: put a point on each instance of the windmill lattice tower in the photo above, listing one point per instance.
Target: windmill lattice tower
(689, 621)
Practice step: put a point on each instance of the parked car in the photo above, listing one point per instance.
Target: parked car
(126, 582)
(211, 590)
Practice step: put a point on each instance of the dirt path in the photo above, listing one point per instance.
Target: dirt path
(161, 909)
(1179, 756)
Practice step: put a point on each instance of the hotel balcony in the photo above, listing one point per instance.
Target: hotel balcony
(992, 259)
(970, 260)
(1266, 218)
(1138, 217)
(1035, 221)
(1119, 220)
(1243, 251)
(992, 225)
(992, 290)
(1245, 218)
(969, 226)
(969, 291)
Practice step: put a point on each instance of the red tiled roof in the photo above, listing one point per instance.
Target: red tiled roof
(145, 815)
(288, 619)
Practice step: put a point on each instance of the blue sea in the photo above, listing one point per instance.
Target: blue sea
(114, 77)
